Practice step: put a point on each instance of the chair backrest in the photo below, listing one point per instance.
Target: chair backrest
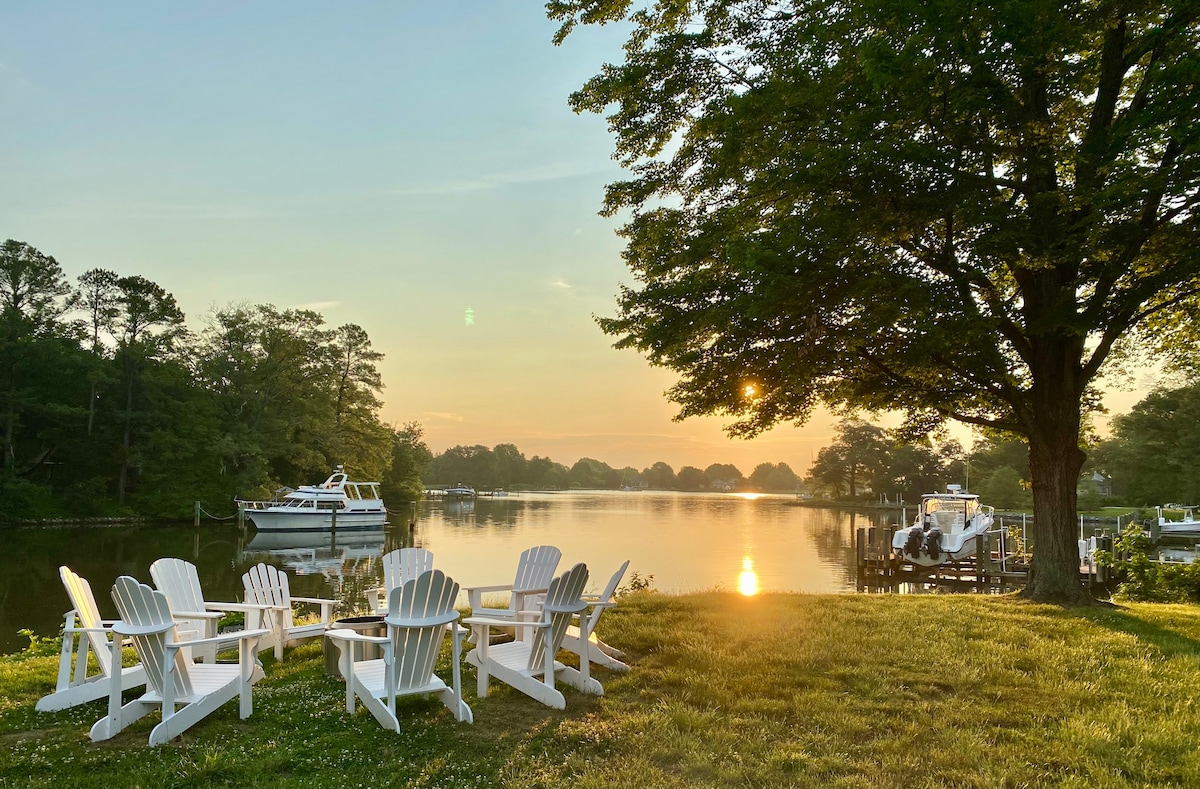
(564, 598)
(611, 588)
(404, 564)
(536, 567)
(418, 612)
(268, 585)
(139, 605)
(84, 602)
(179, 581)
(606, 596)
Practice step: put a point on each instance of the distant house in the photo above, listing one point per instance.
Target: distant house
(1100, 483)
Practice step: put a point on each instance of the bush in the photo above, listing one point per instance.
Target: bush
(1146, 579)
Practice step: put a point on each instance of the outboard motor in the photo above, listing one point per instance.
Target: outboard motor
(933, 543)
(912, 546)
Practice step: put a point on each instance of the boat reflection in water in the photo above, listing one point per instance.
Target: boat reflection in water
(334, 555)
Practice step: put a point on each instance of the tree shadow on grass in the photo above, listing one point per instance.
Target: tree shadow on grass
(1169, 642)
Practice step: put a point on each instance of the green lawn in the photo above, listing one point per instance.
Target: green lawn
(776, 690)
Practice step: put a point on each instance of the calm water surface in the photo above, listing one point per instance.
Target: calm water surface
(686, 541)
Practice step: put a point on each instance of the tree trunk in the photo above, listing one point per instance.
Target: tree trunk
(1055, 461)
(10, 453)
(123, 479)
(91, 408)
(1054, 467)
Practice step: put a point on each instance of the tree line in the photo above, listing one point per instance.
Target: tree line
(1149, 459)
(866, 461)
(1152, 455)
(110, 405)
(505, 466)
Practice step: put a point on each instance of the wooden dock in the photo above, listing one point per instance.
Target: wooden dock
(995, 568)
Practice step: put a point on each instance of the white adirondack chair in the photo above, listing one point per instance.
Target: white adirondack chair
(528, 664)
(400, 565)
(171, 679)
(534, 571)
(178, 580)
(419, 614)
(268, 586)
(83, 632)
(598, 652)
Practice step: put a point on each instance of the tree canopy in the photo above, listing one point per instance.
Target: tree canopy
(952, 209)
(109, 405)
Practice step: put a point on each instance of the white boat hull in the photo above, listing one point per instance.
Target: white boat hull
(945, 530)
(273, 520)
(954, 547)
(1179, 527)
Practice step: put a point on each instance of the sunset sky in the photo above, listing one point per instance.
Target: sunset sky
(412, 167)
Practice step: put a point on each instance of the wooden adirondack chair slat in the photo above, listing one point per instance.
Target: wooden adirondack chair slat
(528, 664)
(171, 680)
(179, 581)
(419, 615)
(399, 566)
(535, 569)
(85, 633)
(269, 586)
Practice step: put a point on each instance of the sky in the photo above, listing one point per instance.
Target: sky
(409, 166)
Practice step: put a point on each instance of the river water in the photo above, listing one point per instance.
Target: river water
(684, 541)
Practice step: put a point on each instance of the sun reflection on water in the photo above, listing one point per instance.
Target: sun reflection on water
(748, 579)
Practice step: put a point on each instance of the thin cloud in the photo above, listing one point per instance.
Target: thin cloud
(443, 416)
(554, 172)
(317, 306)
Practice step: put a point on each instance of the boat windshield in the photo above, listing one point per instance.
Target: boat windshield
(950, 514)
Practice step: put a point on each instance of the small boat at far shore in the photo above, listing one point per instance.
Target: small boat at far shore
(459, 491)
(945, 529)
(358, 505)
(1188, 525)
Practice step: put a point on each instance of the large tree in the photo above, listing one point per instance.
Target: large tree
(954, 209)
(146, 325)
(858, 452)
(34, 295)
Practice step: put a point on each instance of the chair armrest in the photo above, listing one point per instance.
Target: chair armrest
(315, 600)
(88, 629)
(346, 634)
(494, 588)
(243, 607)
(196, 614)
(126, 629)
(238, 634)
(567, 609)
(425, 621)
(487, 622)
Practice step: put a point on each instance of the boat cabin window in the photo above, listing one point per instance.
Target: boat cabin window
(352, 492)
(330, 505)
(308, 505)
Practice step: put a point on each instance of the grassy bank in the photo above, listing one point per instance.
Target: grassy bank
(777, 690)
